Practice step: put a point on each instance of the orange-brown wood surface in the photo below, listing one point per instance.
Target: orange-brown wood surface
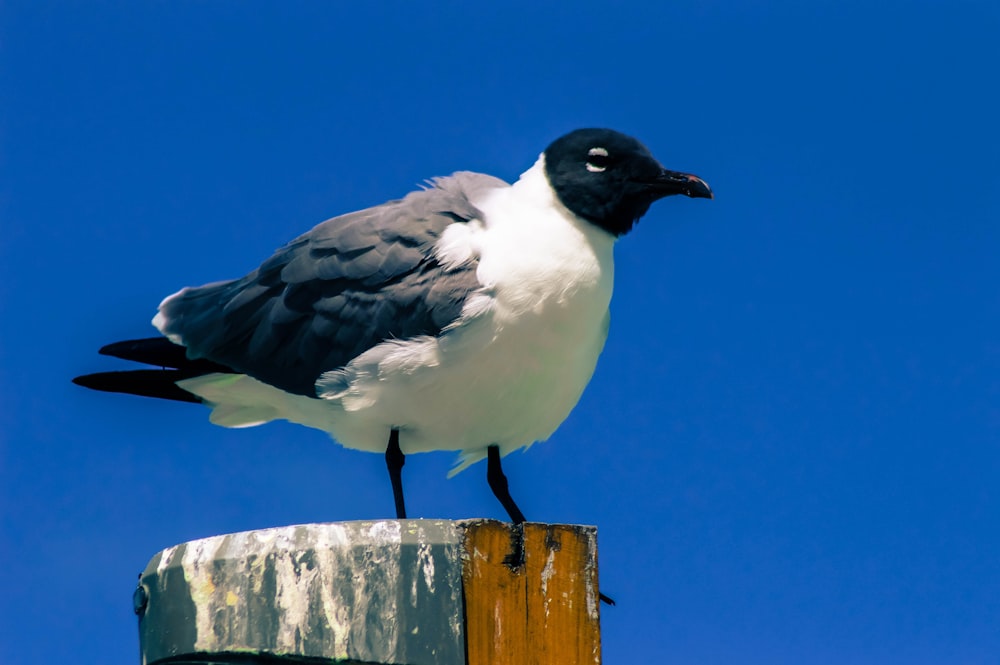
(541, 610)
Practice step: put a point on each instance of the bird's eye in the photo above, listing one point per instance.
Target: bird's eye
(597, 160)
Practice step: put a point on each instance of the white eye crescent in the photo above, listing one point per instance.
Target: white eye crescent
(598, 160)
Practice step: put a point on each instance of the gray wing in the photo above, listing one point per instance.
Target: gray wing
(336, 291)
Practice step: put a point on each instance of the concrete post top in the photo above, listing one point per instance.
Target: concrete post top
(322, 535)
(387, 591)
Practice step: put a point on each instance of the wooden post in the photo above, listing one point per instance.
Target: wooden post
(531, 594)
(405, 592)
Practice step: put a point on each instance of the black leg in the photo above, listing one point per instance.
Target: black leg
(498, 483)
(394, 461)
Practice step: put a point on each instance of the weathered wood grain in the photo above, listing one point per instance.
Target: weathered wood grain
(535, 602)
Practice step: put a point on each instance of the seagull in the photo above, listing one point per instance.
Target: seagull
(467, 316)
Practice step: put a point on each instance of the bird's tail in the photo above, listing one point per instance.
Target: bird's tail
(173, 363)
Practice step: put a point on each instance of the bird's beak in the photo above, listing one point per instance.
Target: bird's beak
(669, 182)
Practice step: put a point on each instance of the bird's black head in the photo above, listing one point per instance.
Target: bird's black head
(611, 179)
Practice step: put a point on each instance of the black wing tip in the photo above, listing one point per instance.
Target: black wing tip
(158, 383)
(117, 349)
(148, 350)
(85, 381)
(163, 353)
(170, 359)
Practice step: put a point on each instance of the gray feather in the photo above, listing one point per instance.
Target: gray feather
(334, 292)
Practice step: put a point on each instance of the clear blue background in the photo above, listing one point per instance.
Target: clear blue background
(791, 446)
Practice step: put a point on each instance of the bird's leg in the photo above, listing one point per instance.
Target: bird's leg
(498, 483)
(394, 461)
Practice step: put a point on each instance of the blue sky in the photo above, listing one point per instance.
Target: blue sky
(791, 446)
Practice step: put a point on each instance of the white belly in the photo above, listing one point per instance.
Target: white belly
(491, 383)
(496, 381)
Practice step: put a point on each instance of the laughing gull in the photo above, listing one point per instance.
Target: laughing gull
(467, 316)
